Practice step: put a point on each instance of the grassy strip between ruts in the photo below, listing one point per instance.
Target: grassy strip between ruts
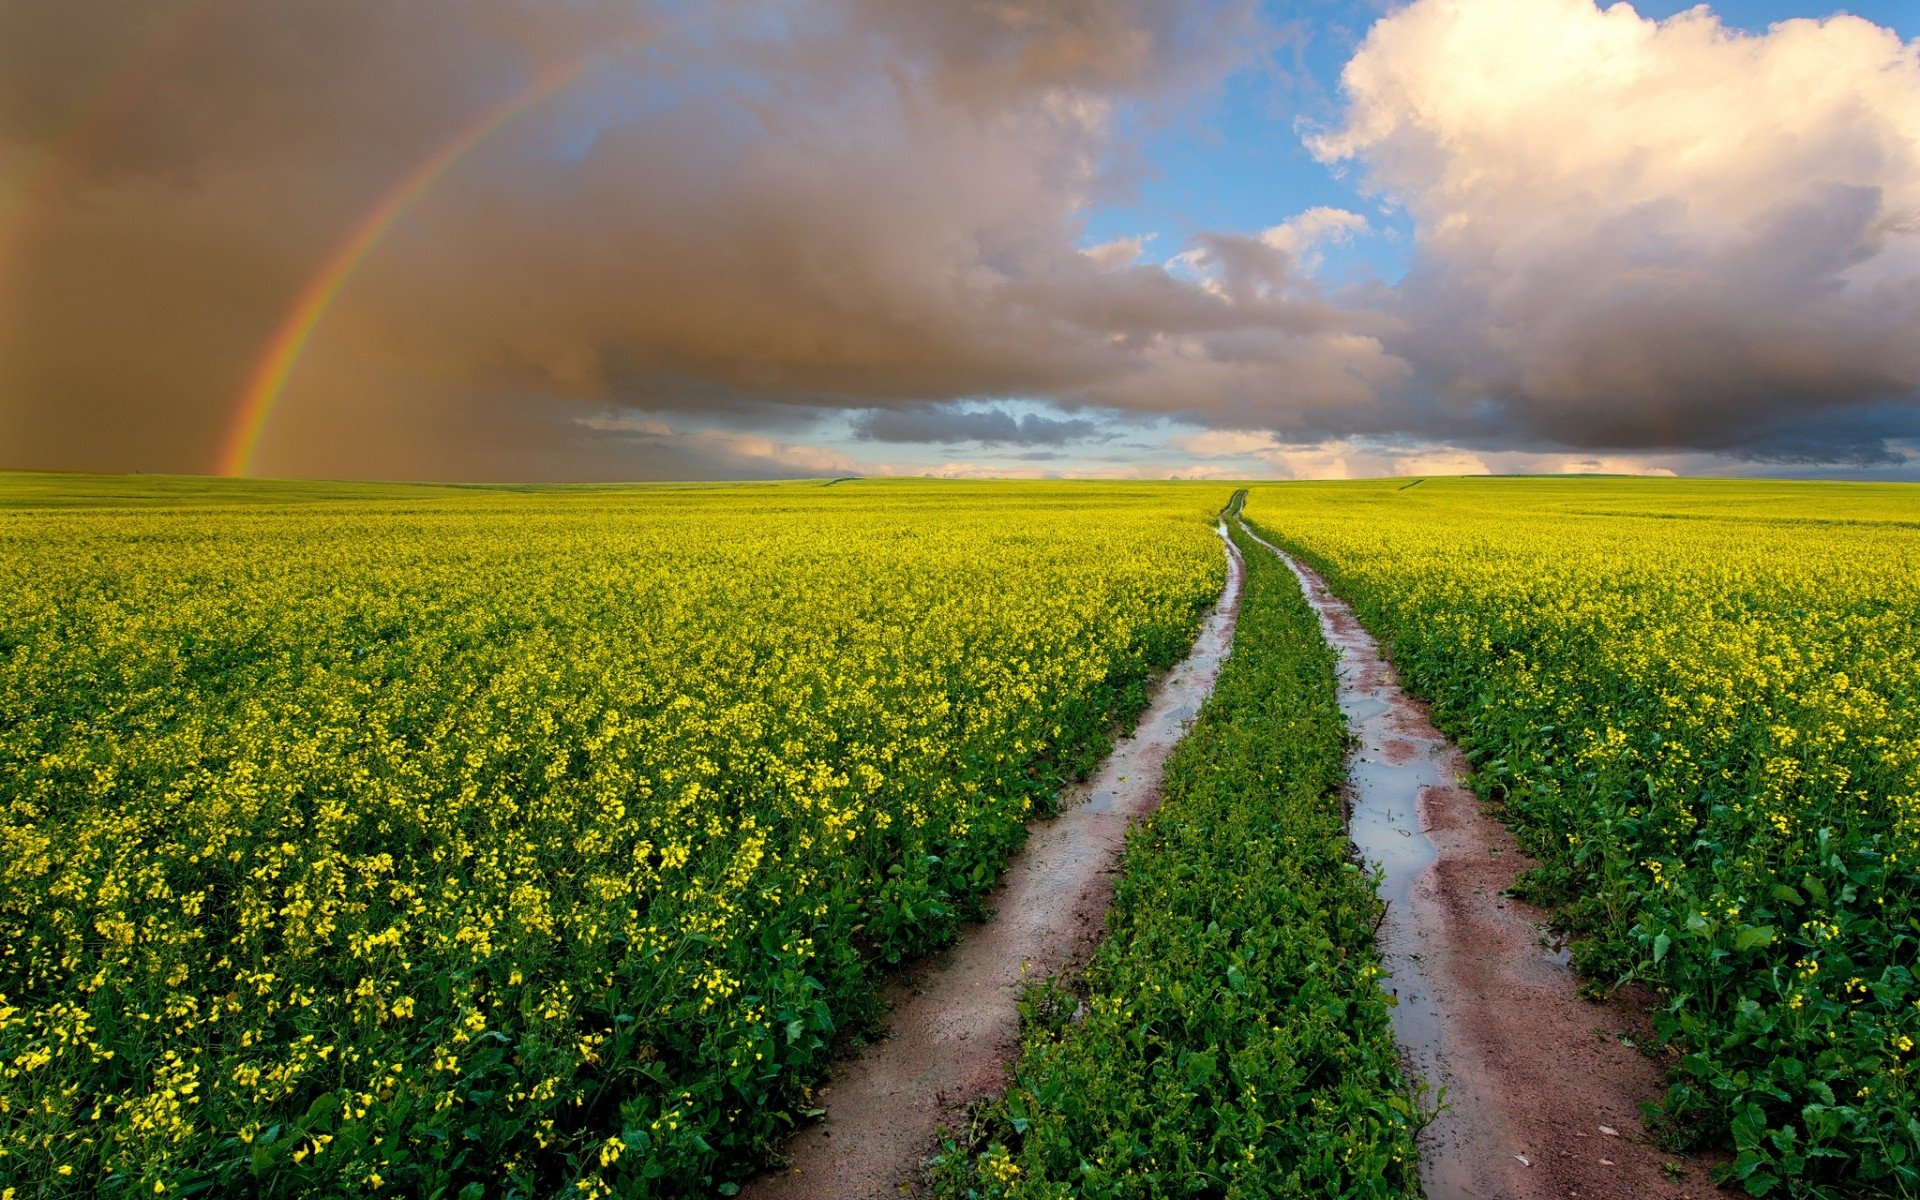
(1232, 1040)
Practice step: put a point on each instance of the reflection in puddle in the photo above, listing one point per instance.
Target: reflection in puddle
(1359, 709)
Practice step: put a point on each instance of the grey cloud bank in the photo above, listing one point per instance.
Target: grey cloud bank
(987, 426)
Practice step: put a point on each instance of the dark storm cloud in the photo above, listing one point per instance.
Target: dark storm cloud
(988, 426)
(174, 172)
(989, 52)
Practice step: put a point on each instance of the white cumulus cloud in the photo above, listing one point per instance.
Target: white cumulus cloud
(1635, 233)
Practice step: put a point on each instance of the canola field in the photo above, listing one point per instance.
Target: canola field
(1699, 704)
(462, 842)
(495, 842)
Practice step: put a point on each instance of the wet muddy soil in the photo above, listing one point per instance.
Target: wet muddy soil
(952, 1022)
(1542, 1087)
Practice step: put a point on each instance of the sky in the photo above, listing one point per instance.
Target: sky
(552, 240)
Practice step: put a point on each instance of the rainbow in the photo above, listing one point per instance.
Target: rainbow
(269, 376)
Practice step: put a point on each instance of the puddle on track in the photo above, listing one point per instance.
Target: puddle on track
(1538, 1081)
(953, 1023)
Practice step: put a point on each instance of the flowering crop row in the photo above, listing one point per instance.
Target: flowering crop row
(463, 843)
(1234, 1040)
(1700, 705)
